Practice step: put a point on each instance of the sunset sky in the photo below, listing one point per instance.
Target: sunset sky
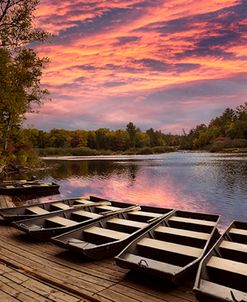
(166, 64)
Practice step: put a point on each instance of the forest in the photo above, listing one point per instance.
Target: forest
(226, 132)
(101, 141)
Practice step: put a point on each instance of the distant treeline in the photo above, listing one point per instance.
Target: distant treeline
(224, 132)
(102, 141)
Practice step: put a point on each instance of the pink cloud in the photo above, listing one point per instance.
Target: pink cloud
(122, 56)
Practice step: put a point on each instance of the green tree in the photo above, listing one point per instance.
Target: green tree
(78, 138)
(120, 140)
(20, 68)
(132, 131)
(16, 23)
(59, 138)
(241, 112)
(157, 138)
(20, 88)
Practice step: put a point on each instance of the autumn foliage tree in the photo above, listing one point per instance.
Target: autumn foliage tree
(16, 24)
(227, 130)
(20, 68)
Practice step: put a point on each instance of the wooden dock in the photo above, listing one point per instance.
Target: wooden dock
(37, 271)
(40, 271)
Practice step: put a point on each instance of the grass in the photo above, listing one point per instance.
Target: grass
(84, 151)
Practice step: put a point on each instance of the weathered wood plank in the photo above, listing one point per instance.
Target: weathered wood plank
(54, 271)
(49, 274)
(6, 298)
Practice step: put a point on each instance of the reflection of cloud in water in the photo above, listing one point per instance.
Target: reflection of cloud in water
(199, 182)
(162, 193)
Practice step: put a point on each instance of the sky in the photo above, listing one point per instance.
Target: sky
(165, 64)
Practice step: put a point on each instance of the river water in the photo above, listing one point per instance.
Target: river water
(193, 181)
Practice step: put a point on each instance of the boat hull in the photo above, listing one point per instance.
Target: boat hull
(170, 253)
(222, 274)
(30, 190)
(104, 248)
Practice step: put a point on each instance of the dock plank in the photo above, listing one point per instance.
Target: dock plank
(70, 276)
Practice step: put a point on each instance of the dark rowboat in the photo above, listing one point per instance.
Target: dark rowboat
(46, 226)
(44, 208)
(173, 247)
(222, 274)
(39, 209)
(23, 187)
(108, 236)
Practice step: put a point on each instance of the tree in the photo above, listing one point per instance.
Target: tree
(20, 67)
(241, 112)
(132, 130)
(120, 140)
(156, 137)
(20, 88)
(20, 73)
(16, 23)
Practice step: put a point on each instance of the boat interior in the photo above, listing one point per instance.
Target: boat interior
(43, 208)
(68, 217)
(223, 272)
(114, 228)
(172, 244)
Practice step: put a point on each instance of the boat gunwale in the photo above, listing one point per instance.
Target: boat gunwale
(174, 278)
(49, 232)
(202, 266)
(90, 252)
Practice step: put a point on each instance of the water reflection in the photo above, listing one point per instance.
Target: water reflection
(212, 183)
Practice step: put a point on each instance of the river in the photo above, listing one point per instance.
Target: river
(193, 181)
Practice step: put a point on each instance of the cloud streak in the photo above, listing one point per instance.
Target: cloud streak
(156, 63)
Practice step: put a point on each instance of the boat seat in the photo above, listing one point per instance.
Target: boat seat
(228, 265)
(82, 201)
(192, 220)
(37, 210)
(108, 208)
(61, 221)
(106, 233)
(170, 247)
(234, 246)
(143, 215)
(220, 291)
(151, 264)
(34, 227)
(45, 184)
(127, 222)
(146, 214)
(181, 232)
(61, 206)
(80, 243)
(26, 186)
(238, 231)
(10, 187)
(86, 214)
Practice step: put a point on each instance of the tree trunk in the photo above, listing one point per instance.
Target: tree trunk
(6, 138)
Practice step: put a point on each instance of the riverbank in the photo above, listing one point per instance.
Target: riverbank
(84, 151)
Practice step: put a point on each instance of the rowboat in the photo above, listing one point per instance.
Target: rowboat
(222, 274)
(24, 187)
(44, 208)
(173, 247)
(39, 209)
(108, 236)
(46, 226)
